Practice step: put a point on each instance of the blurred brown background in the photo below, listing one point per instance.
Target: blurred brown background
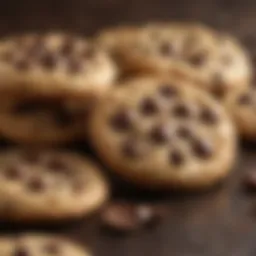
(218, 223)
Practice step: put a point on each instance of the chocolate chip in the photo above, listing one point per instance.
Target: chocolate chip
(13, 172)
(209, 116)
(36, 184)
(20, 251)
(160, 134)
(245, 99)
(21, 64)
(67, 47)
(168, 91)
(184, 132)
(197, 60)
(127, 217)
(250, 180)
(218, 86)
(49, 60)
(202, 149)
(31, 157)
(37, 49)
(167, 49)
(133, 148)
(88, 52)
(148, 106)
(182, 111)
(78, 186)
(122, 121)
(51, 248)
(59, 165)
(176, 158)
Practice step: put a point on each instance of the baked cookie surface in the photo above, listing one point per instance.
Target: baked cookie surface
(161, 133)
(41, 185)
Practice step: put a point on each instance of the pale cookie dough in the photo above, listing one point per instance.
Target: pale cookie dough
(41, 185)
(39, 245)
(161, 133)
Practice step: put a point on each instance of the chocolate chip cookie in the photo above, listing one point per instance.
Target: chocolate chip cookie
(216, 62)
(161, 133)
(41, 185)
(39, 245)
(242, 107)
(54, 63)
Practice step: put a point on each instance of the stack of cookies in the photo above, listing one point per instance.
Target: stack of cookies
(162, 106)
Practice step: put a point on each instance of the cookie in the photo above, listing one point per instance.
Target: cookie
(54, 63)
(242, 107)
(213, 61)
(39, 120)
(48, 185)
(164, 134)
(39, 245)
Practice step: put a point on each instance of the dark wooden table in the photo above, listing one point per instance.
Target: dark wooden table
(221, 222)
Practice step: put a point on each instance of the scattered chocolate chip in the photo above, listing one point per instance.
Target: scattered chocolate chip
(13, 173)
(133, 148)
(63, 117)
(51, 248)
(160, 134)
(78, 186)
(127, 217)
(176, 158)
(168, 91)
(202, 149)
(218, 86)
(244, 99)
(250, 180)
(209, 116)
(122, 120)
(182, 111)
(31, 157)
(37, 49)
(88, 52)
(67, 47)
(167, 49)
(20, 251)
(184, 132)
(148, 106)
(48, 60)
(57, 164)
(36, 184)
(197, 60)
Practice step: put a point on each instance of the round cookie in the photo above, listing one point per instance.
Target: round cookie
(54, 63)
(162, 133)
(214, 61)
(48, 185)
(242, 107)
(36, 119)
(39, 245)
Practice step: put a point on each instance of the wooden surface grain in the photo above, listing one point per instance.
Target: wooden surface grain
(221, 222)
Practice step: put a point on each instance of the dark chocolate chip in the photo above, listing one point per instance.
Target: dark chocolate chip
(88, 52)
(67, 47)
(182, 111)
(133, 149)
(218, 86)
(168, 91)
(184, 132)
(127, 217)
(52, 248)
(57, 165)
(21, 251)
(62, 117)
(122, 121)
(36, 184)
(148, 106)
(202, 149)
(167, 49)
(176, 158)
(13, 173)
(49, 60)
(209, 116)
(245, 99)
(160, 134)
(78, 186)
(31, 157)
(197, 60)
(37, 49)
